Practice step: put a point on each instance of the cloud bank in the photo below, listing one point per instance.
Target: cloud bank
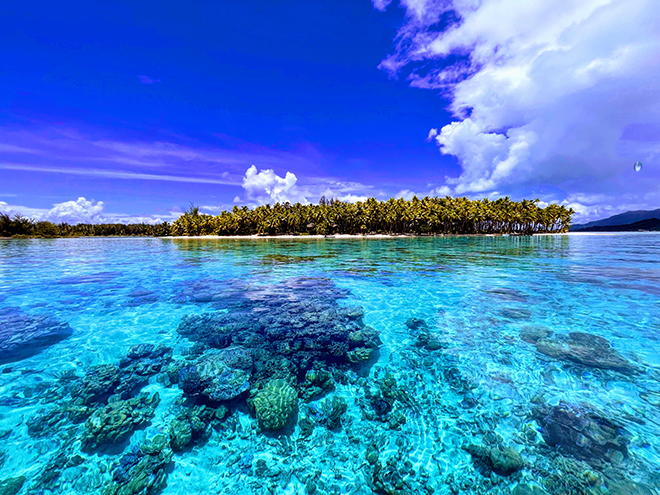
(549, 98)
(266, 187)
(82, 210)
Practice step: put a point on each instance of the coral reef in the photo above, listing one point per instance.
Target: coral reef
(501, 460)
(23, 335)
(142, 471)
(581, 433)
(193, 425)
(115, 422)
(585, 349)
(11, 486)
(213, 375)
(298, 321)
(274, 404)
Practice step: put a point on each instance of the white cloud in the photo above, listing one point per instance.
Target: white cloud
(83, 211)
(432, 134)
(79, 211)
(268, 187)
(381, 4)
(543, 94)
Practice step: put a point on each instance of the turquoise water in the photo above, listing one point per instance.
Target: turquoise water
(523, 365)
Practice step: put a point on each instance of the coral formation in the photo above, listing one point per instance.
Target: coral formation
(585, 349)
(143, 470)
(213, 376)
(11, 486)
(23, 335)
(274, 404)
(115, 422)
(581, 433)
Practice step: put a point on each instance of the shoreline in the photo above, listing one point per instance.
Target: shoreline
(346, 236)
(335, 236)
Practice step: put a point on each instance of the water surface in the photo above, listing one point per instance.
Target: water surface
(528, 362)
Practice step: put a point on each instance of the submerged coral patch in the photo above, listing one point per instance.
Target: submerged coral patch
(582, 433)
(23, 335)
(298, 322)
(586, 349)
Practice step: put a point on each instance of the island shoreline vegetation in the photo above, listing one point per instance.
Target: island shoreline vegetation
(425, 216)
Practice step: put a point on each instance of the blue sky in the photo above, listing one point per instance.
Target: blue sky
(147, 106)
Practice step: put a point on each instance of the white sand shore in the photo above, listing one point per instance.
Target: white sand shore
(336, 236)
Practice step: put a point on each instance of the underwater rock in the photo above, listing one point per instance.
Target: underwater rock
(306, 425)
(525, 489)
(317, 381)
(275, 404)
(336, 408)
(515, 313)
(141, 362)
(23, 335)
(236, 357)
(372, 454)
(146, 359)
(396, 419)
(416, 323)
(11, 486)
(211, 376)
(139, 297)
(180, 434)
(429, 340)
(532, 334)
(581, 433)
(508, 294)
(142, 471)
(586, 349)
(627, 487)
(115, 422)
(193, 425)
(505, 460)
(299, 320)
(571, 477)
(47, 422)
(501, 460)
(359, 355)
(99, 383)
(397, 477)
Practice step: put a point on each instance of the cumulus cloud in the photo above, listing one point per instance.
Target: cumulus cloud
(82, 210)
(543, 94)
(79, 211)
(268, 187)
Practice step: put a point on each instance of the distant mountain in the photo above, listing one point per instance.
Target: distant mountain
(650, 224)
(621, 219)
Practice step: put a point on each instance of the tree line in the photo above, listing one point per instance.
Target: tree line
(429, 215)
(20, 226)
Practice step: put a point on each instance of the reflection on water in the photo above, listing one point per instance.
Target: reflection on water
(499, 365)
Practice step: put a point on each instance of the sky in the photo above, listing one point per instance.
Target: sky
(130, 111)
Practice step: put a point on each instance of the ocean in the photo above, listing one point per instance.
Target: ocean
(445, 365)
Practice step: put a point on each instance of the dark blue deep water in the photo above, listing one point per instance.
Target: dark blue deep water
(466, 365)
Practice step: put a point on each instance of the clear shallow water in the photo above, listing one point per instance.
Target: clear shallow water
(584, 418)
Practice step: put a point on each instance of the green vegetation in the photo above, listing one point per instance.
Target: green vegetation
(20, 226)
(417, 216)
(394, 216)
